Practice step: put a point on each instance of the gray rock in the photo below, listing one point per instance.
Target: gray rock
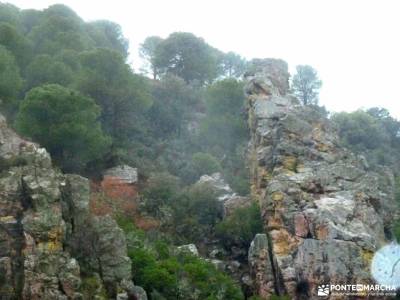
(325, 213)
(122, 296)
(114, 263)
(261, 267)
(218, 264)
(268, 109)
(218, 183)
(124, 173)
(139, 293)
(189, 248)
(235, 202)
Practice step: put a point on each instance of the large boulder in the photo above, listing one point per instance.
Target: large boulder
(324, 211)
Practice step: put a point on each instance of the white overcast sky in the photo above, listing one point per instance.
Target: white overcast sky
(354, 44)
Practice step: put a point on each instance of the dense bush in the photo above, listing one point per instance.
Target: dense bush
(92, 286)
(161, 189)
(189, 214)
(371, 132)
(195, 213)
(240, 228)
(167, 274)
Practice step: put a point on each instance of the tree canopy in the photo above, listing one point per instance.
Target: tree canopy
(10, 79)
(45, 69)
(122, 95)
(65, 122)
(187, 56)
(106, 34)
(306, 84)
(224, 126)
(233, 65)
(148, 52)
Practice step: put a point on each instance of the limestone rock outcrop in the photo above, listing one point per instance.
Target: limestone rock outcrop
(41, 212)
(123, 173)
(325, 213)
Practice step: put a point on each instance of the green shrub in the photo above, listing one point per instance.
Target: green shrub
(207, 280)
(240, 228)
(92, 286)
(160, 190)
(181, 277)
(199, 164)
(167, 274)
(196, 211)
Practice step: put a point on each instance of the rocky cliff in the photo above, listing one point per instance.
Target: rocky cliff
(325, 212)
(48, 238)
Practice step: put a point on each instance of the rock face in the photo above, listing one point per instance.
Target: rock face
(325, 213)
(41, 210)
